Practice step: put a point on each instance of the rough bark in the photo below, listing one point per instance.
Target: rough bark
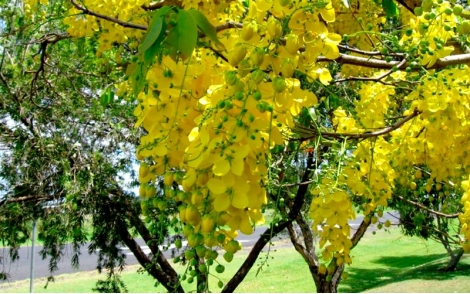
(327, 285)
(160, 275)
(161, 270)
(455, 257)
(160, 258)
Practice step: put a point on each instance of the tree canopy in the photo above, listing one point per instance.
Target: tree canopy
(322, 109)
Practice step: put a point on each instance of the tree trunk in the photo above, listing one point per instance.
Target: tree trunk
(454, 260)
(326, 283)
(454, 255)
(327, 287)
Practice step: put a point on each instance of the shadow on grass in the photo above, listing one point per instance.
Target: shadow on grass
(401, 268)
(408, 260)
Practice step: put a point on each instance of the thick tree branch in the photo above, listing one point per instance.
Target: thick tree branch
(359, 233)
(382, 64)
(137, 223)
(157, 273)
(307, 251)
(161, 259)
(307, 234)
(304, 252)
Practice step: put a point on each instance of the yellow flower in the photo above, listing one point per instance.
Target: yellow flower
(229, 190)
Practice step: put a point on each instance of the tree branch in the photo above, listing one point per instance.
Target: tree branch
(342, 59)
(273, 230)
(161, 259)
(157, 273)
(374, 79)
(108, 18)
(351, 136)
(368, 53)
(382, 64)
(455, 215)
(304, 252)
(228, 25)
(298, 184)
(29, 198)
(409, 4)
(160, 4)
(137, 223)
(359, 233)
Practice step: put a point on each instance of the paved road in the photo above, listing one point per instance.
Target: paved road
(20, 269)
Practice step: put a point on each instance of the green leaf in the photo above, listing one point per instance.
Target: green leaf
(154, 31)
(187, 31)
(107, 97)
(162, 11)
(206, 27)
(137, 78)
(182, 38)
(153, 50)
(390, 8)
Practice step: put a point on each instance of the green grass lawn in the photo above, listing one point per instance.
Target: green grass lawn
(385, 262)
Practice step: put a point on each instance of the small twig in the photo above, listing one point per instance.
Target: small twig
(350, 136)
(218, 53)
(298, 184)
(44, 41)
(368, 53)
(228, 25)
(375, 79)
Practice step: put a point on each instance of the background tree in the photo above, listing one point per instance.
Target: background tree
(427, 210)
(65, 152)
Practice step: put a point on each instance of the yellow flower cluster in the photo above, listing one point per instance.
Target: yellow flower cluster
(431, 30)
(330, 211)
(211, 124)
(439, 136)
(80, 25)
(367, 173)
(374, 104)
(344, 123)
(358, 21)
